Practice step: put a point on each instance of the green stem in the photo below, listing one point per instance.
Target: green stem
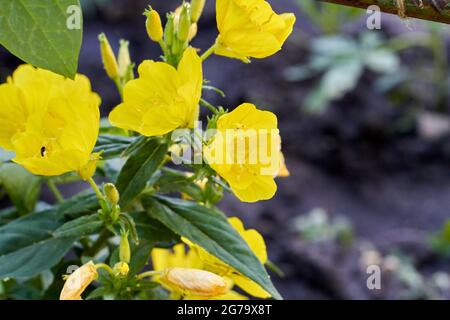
(148, 274)
(209, 52)
(208, 105)
(119, 86)
(104, 266)
(54, 189)
(97, 191)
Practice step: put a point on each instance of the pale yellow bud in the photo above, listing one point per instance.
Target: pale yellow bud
(195, 282)
(121, 269)
(193, 31)
(124, 248)
(184, 23)
(88, 170)
(111, 193)
(124, 58)
(197, 7)
(109, 59)
(154, 25)
(78, 281)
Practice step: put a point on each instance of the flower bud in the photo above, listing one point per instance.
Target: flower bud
(197, 7)
(195, 282)
(193, 31)
(78, 281)
(121, 269)
(87, 171)
(184, 25)
(124, 58)
(111, 193)
(170, 29)
(108, 57)
(154, 25)
(124, 248)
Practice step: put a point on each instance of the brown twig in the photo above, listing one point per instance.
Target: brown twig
(425, 12)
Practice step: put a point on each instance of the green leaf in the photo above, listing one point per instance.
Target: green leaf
(209, 228)
(39, 241)
(78, 205)
(154, 232)
(27, 246)
(138, 170)
(45, 33)
(171, 181)
(112, 146)
(80, 227)
(22, 187)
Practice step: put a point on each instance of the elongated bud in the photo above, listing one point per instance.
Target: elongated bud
(196, 282)
(78, 281)
(197, 7)
(109, 59)
(124, 58)
(184, 24)
(154, 25)
(193, 31)
(124, 248)
(111, 193)
(170, 29)
(121, 269)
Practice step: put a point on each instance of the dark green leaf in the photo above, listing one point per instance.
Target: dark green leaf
(138, 170)
(45, 33)
(112, 146)
(209, 228)
(80, 204)
(154, 232)
(80, 227)
(22, 187)
(27, 246)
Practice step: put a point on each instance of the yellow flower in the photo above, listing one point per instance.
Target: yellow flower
(78, 281)
(163, 98)
(250, 28)
(256, 243)
(245, 151)
(50, 122)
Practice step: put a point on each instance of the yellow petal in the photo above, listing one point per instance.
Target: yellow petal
(283, 171)
(250, 28)
(249, 116)
(252, 237)
(163, 98)
(249, 286)
(13, 114)
(78, 281)
(261, 188)
(289, 20)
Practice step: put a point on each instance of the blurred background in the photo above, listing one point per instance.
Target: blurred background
(364, 117)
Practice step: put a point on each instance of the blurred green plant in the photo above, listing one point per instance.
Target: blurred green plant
(440, 241)
(340, 62)
(328, 17)
(316, 226)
